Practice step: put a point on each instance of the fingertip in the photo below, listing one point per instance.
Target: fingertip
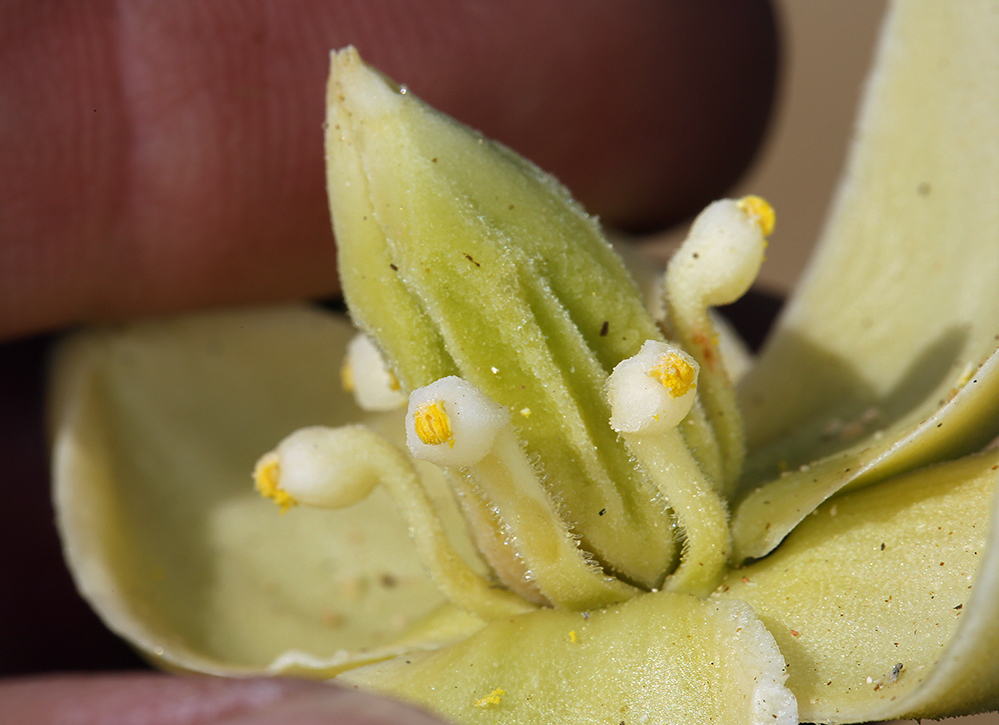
(155, 699)
(646, 111)
(201, 182)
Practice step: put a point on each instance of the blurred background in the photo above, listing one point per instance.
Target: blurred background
(828, 48)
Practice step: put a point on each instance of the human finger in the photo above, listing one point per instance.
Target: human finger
(163, 156)
(154, 699)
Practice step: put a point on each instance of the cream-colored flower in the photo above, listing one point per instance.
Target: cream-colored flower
(556, 528)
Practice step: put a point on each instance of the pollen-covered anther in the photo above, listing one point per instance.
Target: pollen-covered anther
(347, 377)
(656, 387)
(266, 476)
(721, 256)
(432, 425)
(452, 423)
(367, 375)
(759, 209)
(676, 374)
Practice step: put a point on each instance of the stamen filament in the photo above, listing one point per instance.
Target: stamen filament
(699, 511)
(484, 450)
(550, 555)
(715, 266)
(650, 394)
(337, 467)
(700, 437)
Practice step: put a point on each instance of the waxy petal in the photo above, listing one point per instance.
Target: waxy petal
(766, 515)
(157, 428)
(659, 658)
(884, 601)
(900, 306)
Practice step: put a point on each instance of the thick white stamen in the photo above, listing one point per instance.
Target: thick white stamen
(723, 252)
(452, 423)
(369, 378)
(656, 387)
(337, 467)
(715, 266)
(314, 472)
(650, 393)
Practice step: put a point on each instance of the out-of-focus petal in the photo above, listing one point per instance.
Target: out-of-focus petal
(157, 429)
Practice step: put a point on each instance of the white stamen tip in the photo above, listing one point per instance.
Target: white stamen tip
(723, 251)
(368, 376)
(656, 387)
(315, 471)
(452, 423)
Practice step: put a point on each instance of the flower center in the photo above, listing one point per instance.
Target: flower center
(591, 458)
(531, 547)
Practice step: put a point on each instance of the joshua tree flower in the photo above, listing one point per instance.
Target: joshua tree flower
(547, 505)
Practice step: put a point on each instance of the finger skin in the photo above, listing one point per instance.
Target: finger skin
(151, 699)
(162, 156)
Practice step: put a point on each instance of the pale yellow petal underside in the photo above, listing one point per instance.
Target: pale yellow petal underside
(884, 601)
(900, 306)
(157, 428)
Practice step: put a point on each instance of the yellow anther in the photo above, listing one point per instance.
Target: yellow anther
(759, 209)
(393, 381)
(675, 374)
(347, 377)
(266, 476)
(432, 425)
(493, 698)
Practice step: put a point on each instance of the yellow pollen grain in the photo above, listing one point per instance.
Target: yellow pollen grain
(432, 424)
(266, 476)
(760, 210)
(572, 636)
(347, 377)
(675, 374)
(493, 698)
(526, 412)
